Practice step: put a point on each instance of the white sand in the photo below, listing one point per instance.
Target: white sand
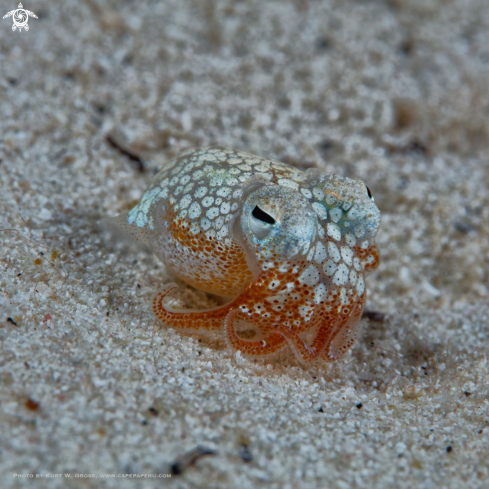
(394, 92)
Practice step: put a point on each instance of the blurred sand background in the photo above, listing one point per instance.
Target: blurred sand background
(395, 92)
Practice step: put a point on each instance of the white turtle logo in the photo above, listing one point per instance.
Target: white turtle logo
(20, 17)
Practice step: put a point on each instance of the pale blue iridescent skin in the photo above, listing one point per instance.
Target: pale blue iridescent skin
(290, 247)
(139, 214)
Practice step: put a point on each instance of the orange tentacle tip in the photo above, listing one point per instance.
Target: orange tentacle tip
(290, 248)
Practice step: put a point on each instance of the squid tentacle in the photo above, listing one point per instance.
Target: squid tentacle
(271, 343)
(189, 320)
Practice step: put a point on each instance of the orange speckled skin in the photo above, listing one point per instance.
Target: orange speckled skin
(290, 248)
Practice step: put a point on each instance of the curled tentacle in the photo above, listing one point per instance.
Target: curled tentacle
(271, 343)
(188, 320)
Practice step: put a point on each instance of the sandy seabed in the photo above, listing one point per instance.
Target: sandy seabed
(395, 92)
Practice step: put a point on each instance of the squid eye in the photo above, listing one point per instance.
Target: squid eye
(259, 222)
(370, 194)
(257, 213)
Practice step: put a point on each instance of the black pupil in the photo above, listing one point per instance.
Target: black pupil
(262, 216)
(368, 192)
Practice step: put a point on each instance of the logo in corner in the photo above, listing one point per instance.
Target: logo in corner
(20, 16)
